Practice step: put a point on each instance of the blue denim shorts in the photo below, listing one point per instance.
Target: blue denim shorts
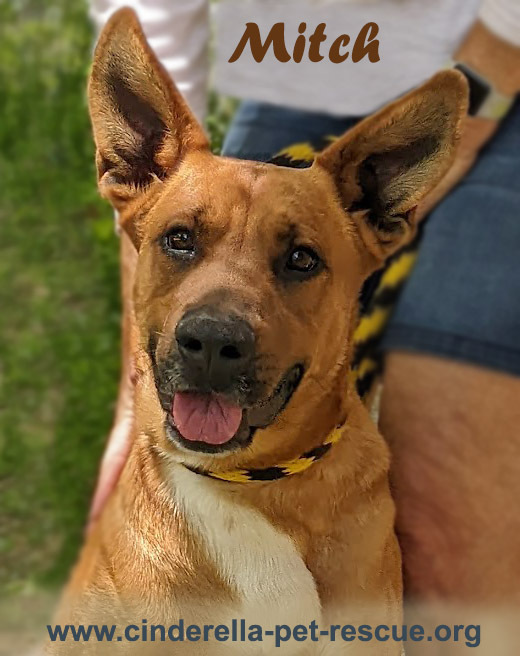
(462, 300)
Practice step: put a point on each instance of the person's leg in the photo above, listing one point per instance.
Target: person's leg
(454, 432)
(450, 408)
(259, 131)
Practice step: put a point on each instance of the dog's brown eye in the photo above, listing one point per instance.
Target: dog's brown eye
(180, 241)
(303, 260)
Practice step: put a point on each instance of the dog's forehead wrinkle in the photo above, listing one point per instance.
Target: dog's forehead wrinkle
(237, 180)
(247, 229)
(289, 233)
(228, 196)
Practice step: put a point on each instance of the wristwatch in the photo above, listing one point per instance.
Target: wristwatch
(484, 99)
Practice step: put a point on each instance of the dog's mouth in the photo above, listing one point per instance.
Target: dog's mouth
(213, 423)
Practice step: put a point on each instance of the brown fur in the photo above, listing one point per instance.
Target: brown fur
(355, 206)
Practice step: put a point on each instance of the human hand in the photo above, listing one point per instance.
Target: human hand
(119, 440)
(116, 453)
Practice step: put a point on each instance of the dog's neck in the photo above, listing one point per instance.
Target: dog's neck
(297, 505)
(158, 493)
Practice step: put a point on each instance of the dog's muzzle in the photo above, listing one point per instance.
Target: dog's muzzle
(209, 384)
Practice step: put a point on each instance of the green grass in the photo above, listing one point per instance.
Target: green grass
(59, 292)
(59, 351)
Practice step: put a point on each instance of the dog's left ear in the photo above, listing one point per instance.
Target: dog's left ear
(142, 125)
(384, 166)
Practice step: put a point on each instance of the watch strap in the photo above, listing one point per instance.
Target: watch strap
(485, 100)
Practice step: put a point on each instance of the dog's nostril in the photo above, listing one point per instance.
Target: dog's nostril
(230, 352)
(194, 345)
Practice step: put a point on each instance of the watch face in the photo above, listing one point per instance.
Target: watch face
(479, 89)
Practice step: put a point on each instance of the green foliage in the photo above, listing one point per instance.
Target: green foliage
(220, 112)
(59, 351)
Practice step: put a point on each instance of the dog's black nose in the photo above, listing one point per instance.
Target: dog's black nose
(216, 348)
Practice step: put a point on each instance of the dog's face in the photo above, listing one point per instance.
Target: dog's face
(247, 281)
(248, 274)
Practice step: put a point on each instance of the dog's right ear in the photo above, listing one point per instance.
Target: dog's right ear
(142, 125)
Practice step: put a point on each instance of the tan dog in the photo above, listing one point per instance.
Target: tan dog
(246, 295)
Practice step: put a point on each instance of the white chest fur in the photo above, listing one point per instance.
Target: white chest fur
(257, 561)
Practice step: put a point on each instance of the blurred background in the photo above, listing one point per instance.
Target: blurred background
(59, 300)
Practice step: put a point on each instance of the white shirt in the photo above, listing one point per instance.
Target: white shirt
(417, 38)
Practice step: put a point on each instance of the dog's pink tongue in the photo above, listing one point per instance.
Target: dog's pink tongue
(205, 417)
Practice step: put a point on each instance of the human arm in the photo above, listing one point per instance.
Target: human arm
(486, 51)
